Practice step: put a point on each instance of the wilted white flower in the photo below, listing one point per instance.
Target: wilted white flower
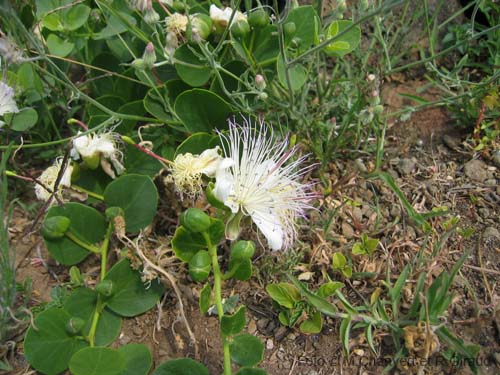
(187, 170)
(7, 102)
(48, 179)
(177, 23)
(99, 148)
(254, 181)
(221, 17)
(9, 51)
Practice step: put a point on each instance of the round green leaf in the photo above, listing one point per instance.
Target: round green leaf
(86, 223)
(313, 324)
(137, 162)
(131, 296)
(58, 46)
(190, 68)
(97, 361)
(196, 144)
(137, 196)
(283, 293)
(246, 350)
(306, 25)
(205, 298)
(297, 74)
(232, 324)
(202, 111)
(138, 359)
(154, 103)
(187, 244)
(251, 371)
(182, 366)
(200, 266)
(347, 42)
(131, 108)
(82, 303)
(75, 16)
(23, 120)
(49, 347)
(241, 268)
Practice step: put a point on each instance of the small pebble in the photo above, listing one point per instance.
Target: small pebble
(347, 231)
(269, 344)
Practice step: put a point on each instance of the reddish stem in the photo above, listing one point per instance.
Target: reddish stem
(151, 153)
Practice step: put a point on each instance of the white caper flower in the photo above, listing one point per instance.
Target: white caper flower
(221, 17)
(99, 148)
(48, 180)
(187, 171)
(177, 23)
(254, 181)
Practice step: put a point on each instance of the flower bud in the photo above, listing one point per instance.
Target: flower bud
(263, 96)
(105, 288)
(240, 29)
(75, 326)
(258, 18)
(200, 266)
(149, 56)
(92, 161)
(242, 250)
(378, 109)
(195, 220)
(260, 82)
(138, 64)
(203, 25)
(150, 16)
(55, 227)
(290, 28)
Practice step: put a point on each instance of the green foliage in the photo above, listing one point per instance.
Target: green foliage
(183, 366)
(246, 350)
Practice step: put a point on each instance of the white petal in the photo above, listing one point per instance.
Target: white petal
(209, 161)
(104, 145)
(270, 226)
(223, 180)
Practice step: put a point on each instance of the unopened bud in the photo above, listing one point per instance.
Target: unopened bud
(149, 56)
(371, 77)
(375, 93)
(263, 96)
(138, 64)
(260, 82)
(150, 16)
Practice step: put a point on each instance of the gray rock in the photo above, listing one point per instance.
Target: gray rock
(360, 166)
(484, 212)
(496, 158)
(406, 166)
(490, 182)
(490, 233)
(496, 357)
(395, 211)
(477, 170)
(357, 214)
(347, 231)
(450, 142)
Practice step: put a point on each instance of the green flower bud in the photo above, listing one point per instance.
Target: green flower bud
(75, 326)
(242, 250)
(178, 6)
(202, 25)
(149, 56)
(258, 18)
(296, 42)
(105, 288)
(263, 96)
(138, 64)
(195, 220)
(378, 109)
(289, 28)
(240, 29)
(92, 162)
(200, 266)
(113, 212)
(54, 227)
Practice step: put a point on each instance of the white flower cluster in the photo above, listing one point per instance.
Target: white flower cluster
(251, 180)
(48, 178)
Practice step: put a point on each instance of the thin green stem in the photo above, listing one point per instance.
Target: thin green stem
(100, 303)
(212, 251)
(88, 192)
(81, 243)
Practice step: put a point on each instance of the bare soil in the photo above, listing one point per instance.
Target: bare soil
(430, 162)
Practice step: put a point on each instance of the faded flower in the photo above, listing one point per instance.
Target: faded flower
(48, 180)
